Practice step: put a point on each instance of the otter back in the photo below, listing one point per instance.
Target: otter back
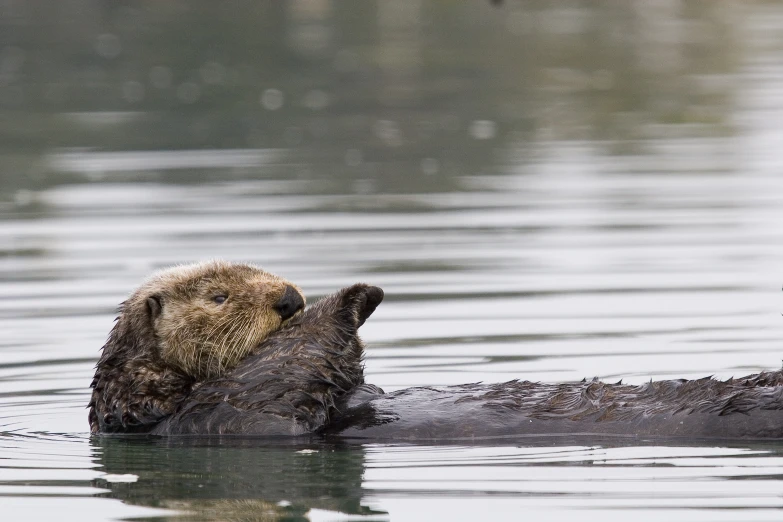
(751, 407)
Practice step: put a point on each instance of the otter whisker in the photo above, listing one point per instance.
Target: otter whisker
(225, 332)
(243, 346)
(229, 339)
(217, 331)
(219, 354)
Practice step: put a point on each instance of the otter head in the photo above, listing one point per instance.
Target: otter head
(207, 317)
(184, 325)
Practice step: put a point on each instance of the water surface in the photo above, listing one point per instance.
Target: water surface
(542, 192)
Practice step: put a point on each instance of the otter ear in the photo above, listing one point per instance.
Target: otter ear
(154, 306)
(360, 301)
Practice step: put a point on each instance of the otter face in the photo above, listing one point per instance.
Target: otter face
(208, 316)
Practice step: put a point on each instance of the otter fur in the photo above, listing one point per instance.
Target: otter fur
(184, 325)
(750, 407)
(293, 381)
(306, 378)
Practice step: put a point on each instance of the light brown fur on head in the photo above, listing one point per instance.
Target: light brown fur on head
(184, 325)
(196, 334)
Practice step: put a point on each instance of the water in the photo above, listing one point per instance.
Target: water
(542, 192)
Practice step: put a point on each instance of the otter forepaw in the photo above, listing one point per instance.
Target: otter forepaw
(361, 300)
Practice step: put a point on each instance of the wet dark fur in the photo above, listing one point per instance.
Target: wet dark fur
(132, 388)
(307, 378)
(750, 407)
(290, 384)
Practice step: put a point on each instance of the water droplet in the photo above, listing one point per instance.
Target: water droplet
(272, 99)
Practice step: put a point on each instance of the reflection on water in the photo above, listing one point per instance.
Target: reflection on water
(546, 192)
(232, 479)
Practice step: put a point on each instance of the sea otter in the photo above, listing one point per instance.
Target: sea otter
(305, 378)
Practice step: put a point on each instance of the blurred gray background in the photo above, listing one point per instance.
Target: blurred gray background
(401, 96)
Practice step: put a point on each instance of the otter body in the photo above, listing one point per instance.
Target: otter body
(747, 408)
(301, 374)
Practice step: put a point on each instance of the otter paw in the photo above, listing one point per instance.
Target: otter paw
(360, 301)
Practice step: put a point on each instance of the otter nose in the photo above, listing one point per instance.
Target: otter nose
(290, 303)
